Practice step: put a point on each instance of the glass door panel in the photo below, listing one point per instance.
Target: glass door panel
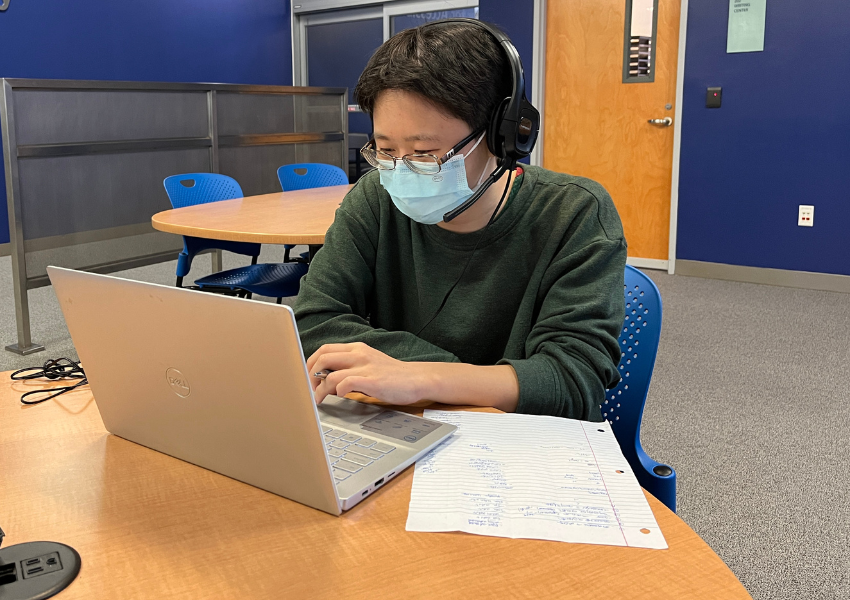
(336, 55)
(408, 21)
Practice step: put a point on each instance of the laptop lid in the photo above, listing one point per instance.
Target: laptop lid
(213, 380)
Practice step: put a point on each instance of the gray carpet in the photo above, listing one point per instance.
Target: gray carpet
(747, 404)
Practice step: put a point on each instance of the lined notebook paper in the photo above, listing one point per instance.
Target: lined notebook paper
(526, 476)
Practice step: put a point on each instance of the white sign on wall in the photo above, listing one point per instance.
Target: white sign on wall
(746, 26)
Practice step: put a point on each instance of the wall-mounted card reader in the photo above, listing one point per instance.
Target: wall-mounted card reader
(713, 96)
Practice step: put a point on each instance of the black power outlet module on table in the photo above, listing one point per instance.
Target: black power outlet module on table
(36, 570)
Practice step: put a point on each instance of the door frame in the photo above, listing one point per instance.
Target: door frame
(318, 12)
(345, 14)
(538, 75)
(677, 137)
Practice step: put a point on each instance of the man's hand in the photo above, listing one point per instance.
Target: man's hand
(357, 367)
(360, 368)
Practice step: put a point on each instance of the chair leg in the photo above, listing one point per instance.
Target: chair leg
(249, 295)
(216, 264)
(286, 254)
(254, 260)
(280, 300)
(180, 282)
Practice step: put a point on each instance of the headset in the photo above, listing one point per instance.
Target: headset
(511, 135)
(514, 125)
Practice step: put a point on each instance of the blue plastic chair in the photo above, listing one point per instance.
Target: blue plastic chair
(303, 176)
(310, 175)
(202, 188)
(623, 405)
(274, 280)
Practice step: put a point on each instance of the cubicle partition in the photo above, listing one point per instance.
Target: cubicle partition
(85, 162)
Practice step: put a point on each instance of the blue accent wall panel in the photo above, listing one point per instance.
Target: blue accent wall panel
(247, 41)
(781, 139)
(516, 18)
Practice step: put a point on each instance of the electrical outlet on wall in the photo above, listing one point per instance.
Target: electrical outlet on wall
(806, 217)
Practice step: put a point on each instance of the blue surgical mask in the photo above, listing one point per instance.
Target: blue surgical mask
(426, 198)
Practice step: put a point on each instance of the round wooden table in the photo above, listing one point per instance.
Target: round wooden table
(151, 526)
(300, 217)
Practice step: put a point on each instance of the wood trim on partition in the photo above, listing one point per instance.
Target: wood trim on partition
(785, 278)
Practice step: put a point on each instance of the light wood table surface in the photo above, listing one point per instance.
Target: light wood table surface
(300, 217)
(151, 526)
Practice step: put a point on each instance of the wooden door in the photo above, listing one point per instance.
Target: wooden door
(597, 126)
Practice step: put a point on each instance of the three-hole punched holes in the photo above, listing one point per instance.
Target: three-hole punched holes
(636, 316)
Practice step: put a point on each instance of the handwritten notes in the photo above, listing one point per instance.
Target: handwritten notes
(525, 476)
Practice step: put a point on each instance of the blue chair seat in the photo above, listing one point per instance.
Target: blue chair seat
(276, 280)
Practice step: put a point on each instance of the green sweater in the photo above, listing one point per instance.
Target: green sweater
(543, 293)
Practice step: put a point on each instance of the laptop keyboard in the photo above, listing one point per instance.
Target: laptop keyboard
(349, 452)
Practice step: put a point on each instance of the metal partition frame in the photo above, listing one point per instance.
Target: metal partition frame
(242, 104)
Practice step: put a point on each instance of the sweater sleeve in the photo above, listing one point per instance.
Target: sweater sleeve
(572, 352)
(333, 302)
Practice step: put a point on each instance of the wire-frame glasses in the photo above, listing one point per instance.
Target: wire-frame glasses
(424, 164)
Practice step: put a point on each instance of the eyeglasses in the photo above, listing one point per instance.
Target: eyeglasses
(424, 164)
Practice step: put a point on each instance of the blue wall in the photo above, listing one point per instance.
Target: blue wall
(247, 41)
(516, 18)
(782, 138)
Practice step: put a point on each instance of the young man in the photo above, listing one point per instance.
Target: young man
(521, 314)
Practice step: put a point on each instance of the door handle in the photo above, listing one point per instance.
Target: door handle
(665, 122)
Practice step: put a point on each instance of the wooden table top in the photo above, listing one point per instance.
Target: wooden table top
(300, 217)
(151, 526)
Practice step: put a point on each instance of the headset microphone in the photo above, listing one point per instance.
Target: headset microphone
(493, 178)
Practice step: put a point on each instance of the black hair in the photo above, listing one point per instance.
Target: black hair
(458, 67)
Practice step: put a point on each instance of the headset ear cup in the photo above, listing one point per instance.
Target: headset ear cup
(495, 142)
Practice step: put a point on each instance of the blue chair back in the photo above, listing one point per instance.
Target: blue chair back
(202, 188)
(310, 175)
(623, 405)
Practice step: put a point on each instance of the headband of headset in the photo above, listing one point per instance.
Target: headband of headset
(515, 123)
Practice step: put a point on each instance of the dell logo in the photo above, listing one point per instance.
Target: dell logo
(178, 382)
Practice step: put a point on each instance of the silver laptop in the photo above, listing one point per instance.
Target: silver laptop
(221, 382)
